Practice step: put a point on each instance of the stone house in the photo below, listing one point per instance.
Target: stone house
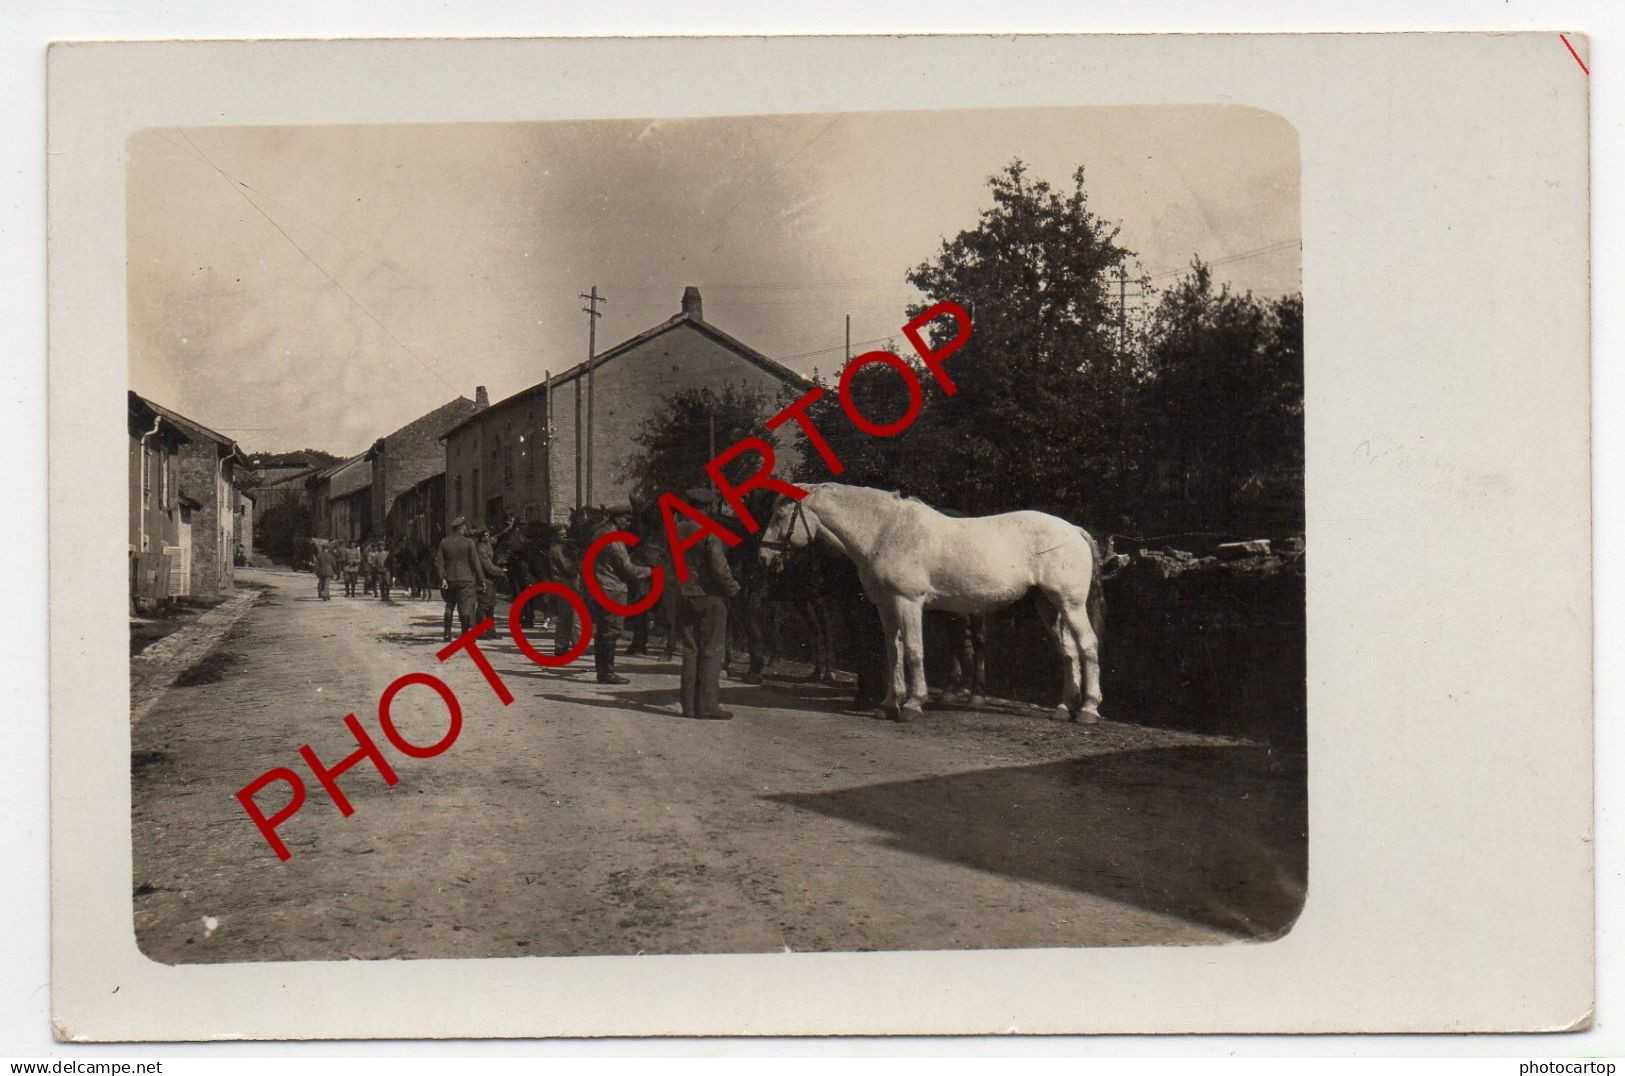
(341, 500)
(208, 471)
(402, 460)
(157, 568)
(527, 454)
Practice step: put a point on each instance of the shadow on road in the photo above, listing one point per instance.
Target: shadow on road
(1207, 834)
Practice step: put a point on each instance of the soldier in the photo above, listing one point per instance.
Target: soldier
(326, 568)
(702, 617)
(616, 573)
(485, 601)
(561, 568)
(532, 569)
(378, 567)
(351, 566)
(869, 638)
(457, 563)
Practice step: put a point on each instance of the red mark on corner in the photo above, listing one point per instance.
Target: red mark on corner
(1576, 55)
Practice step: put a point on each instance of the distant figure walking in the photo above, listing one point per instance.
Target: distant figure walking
(457, 563)
(326, 568)
(352, 568)
(702, 619)
(378, 568)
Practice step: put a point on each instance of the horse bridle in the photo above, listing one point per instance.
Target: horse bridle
(783, 545)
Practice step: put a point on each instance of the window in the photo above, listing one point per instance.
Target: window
(507, 466)
(474, 499)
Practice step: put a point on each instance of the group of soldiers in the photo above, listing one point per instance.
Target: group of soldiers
(470, 562)
(364, 564)
(467, 566)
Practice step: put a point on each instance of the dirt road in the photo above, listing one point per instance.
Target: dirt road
(586, 819)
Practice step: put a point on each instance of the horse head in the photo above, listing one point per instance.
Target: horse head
(791, 526)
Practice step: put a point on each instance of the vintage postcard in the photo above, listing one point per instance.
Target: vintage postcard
(668, 537)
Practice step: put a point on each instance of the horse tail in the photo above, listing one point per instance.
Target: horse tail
(1095, 604)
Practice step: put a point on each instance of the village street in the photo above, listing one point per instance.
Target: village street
(587, 819)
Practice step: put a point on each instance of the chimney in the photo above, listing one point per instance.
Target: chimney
(691, 303)
(481, 400)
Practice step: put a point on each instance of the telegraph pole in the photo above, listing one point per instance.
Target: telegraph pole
(547, 450)
(1122, 309)
(593, 314)
(849, 338)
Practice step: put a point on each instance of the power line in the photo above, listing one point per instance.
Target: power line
(242, 189)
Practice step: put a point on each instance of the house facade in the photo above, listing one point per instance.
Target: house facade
(158, 569)
(527, 455)
(340, 500)
(403, 460)
(208, 470)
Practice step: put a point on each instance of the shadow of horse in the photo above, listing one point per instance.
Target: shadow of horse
(1207, 834)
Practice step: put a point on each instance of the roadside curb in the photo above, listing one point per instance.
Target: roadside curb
(154, 669)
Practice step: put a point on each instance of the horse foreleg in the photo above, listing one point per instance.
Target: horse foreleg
(896, 687)
(913, 636)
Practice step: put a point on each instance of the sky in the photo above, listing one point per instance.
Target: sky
(319, 287)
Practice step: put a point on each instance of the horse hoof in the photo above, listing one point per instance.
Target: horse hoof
(1063, 712)
(1087, 716)
(909, 711)
(885, 713)
(977, 702)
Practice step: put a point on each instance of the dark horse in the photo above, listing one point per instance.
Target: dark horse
(796, 582)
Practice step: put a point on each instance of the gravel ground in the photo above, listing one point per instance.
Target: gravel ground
(585, 819)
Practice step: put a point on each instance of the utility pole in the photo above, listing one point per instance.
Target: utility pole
(593, 314)
(547, 450)
(849, 338)
(1122, 309)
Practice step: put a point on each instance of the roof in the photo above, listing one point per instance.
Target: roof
(194, 430)
(772, 366)
(145, 412)
(285, 459)
(459, 404)
(335, 477)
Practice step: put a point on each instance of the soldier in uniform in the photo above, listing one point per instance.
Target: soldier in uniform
(457, 563)
(702, 617)
(378, 568)
(616, 574)
(869, 638)
(326, 568)
(561, 568)
(351, 567)
(485, 601)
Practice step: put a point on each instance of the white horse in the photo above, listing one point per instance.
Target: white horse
(911, 557)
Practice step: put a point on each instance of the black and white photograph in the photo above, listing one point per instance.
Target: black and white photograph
(719, 537)
(829, 532)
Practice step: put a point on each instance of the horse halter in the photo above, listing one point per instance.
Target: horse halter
(783, 545)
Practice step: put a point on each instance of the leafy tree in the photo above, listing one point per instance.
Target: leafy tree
(1043, 415)
(676, 440)
(1224, 402)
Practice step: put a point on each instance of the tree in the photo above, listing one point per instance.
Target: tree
(1224, 400)
(1043, 415)
(687, 429)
